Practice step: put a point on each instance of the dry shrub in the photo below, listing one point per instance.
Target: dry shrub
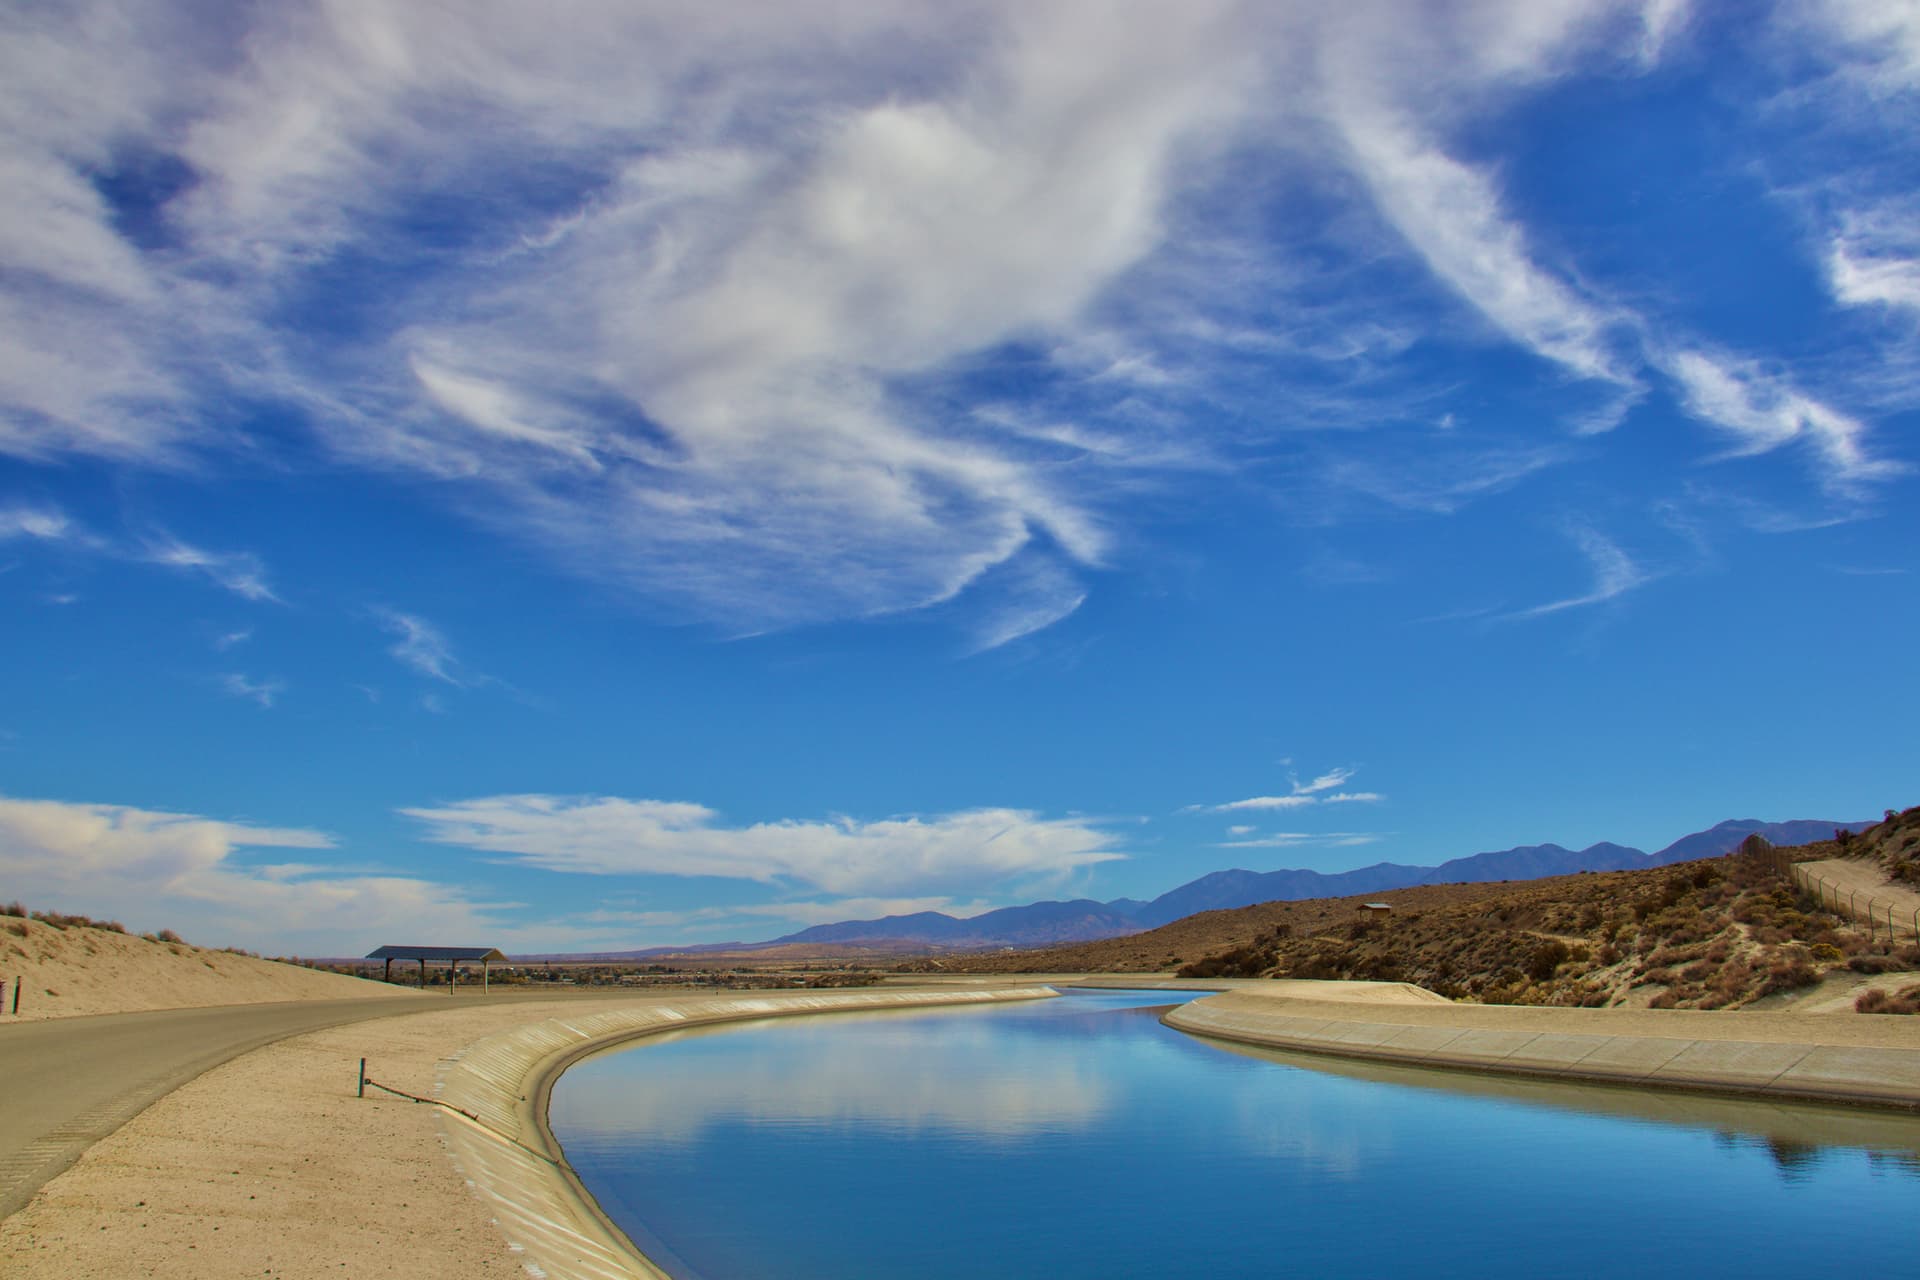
(1877, 1001)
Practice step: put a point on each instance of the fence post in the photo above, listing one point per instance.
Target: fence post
(18, 982)
(363, 1079)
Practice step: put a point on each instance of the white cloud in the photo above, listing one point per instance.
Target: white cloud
(1265, 802)
(1325, 782)
(1303, 795)
(260, 691)
(42, 524)
(911, 856)
(1873, 258)
(1763, 412)
(1614, 574)
(1884, 34)
(204, 878)
(707, 277)
(1451, 214)
(237, 571)
(1296, 839)
(422, 647)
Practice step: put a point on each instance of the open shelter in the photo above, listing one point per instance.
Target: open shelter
(452, 955)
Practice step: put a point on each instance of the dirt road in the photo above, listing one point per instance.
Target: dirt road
(66, 1083)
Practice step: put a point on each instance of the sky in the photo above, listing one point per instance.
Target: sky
(608, 474)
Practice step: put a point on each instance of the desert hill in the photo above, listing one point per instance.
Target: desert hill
(1054, 924)
(1722, 932)
(66, 966)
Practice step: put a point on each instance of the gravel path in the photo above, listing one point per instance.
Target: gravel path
(1861, 890)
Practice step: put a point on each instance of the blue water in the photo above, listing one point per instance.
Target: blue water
(1070, 1138)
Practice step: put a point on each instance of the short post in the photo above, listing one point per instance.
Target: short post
(18, 982)
(453, 975)
(363, 1079)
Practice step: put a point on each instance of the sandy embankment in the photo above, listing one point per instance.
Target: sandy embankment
(76, 971)
(269, 1165)
(1842, 1058)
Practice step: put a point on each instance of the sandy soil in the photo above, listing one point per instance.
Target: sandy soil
(270, 1166)
(64, 973)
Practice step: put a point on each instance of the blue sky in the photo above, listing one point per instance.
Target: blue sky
(612, 474)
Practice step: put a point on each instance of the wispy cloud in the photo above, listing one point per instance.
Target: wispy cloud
(711, 288)
(262, 692)
(968, 851)
(240, 572)
(1298, 839)
(1614, 574)
(43, 524)
(421, 647)
(1301, 795)
(1762, 413)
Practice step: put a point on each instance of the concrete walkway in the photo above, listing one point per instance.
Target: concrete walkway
(1843, 1058)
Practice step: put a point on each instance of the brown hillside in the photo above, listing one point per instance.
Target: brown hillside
(64, 967)
(1718, 933)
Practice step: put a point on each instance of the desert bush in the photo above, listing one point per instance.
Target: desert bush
(19, 929)
(1876, 1001)
(1789, 975)
(13, 909)
(168, 935)
(1546, 958)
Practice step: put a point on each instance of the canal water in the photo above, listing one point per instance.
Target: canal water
(1078, 1137)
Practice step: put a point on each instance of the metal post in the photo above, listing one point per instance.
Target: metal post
(18, 982)
(453, 975)
(363, 1078)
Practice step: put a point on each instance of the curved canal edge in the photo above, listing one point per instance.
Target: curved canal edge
(497, 1130)
(1851, 1060)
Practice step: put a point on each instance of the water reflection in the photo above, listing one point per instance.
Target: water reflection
(820, 1072)
(1076, 1138)
(1792, 1134)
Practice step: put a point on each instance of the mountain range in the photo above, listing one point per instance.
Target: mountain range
(1046, 924)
